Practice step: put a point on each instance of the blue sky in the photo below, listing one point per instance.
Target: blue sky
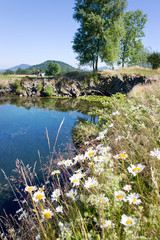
(33, 31)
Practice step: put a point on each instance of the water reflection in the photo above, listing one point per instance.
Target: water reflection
(23, 124)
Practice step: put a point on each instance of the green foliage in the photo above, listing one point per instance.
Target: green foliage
(131, 44)
(49, 91)
(39, 87)
(22, 71)
(97, 20)
(8, 72)
(154, 60)
(53, 69)
(15, 84)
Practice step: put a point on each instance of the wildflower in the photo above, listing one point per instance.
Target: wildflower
(55, 195)
(155, 153)
(119, 195)
(55, 172)
(99, 159)
(103, 200)
(79, 158)
(91, 182)
(59, 209)
(30, 188)
(135, 169)
(90, 153)
(107, 224)
(38, 237)
(127, 188)
(68, 162)
(72, 194)
(118, 139)
(133, 198)
(19, 210)
(116, 113)
(47, 213)
(60, 163)
(75, 179)
(104, 150)
(41, 189)
(127, 221)
(123, 155)
(111, 125)
(39, 195)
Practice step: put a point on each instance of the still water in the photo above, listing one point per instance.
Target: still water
(23, 124)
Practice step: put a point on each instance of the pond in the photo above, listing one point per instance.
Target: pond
(23, 126)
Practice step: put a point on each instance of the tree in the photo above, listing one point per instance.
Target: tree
(131, 44)
(154, 60)
(53, 69)
(96, 18)
(22, 71)
(9, 72)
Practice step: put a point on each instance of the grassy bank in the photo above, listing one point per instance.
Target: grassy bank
(110, 190)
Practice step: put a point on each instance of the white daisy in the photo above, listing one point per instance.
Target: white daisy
(135, 169)
(116, 113)
(72, 194)
(155, 153)
(127, 221)
(127, 187)
(38, 196)
(30, 188)
(133, 198)
(91, 182)
(68, 162)
(47, 213)
(55, 172)
(55, 195)
(59, 209)
(107, 224)
(79, 158)
(111, 125)
(75, 179)
(119, 195)
(102, 199)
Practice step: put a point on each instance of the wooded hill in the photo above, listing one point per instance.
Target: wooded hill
(43, 66)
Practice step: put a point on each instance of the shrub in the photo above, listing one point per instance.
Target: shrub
(49, 91)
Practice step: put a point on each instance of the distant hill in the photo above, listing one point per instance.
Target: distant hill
(43, 66)
(14, 69)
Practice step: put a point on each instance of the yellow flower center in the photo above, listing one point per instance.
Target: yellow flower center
(109, 226)
(119, 196)
(91, 154)
(47, 214)
(101, 199)
(134, 200)
(56, 195)
(129, 222)
(74, 194)
(29, 189)
(75, 180)
(91, 185)
(122, 155)
(136, 169)
(41, 189)
(56, 171)
(39, 197)
(103, 223)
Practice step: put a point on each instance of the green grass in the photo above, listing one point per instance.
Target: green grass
(125, 135)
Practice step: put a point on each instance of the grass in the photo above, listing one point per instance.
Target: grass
(110, 189)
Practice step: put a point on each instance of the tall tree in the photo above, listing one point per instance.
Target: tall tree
(96, 18)
(53, 69)
(154, 60)
(131, 44)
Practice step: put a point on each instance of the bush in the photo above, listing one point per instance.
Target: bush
(39, 87)
(49, 91)
(154, 60)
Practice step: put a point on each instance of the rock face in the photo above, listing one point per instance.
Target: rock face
(74, 87)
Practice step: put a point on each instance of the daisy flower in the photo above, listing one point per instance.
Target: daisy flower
(116, 113)
(135, 169)
(60, 163)
(127, 188)
(98, 159)
(133, 198)
(91, 182)
(107, 224)
(79, 158)
(155, 153)
(59, 209)
(72, 194)
(119, 195)
(39, 195)
(55, 172)
(104, 150)
(123, 155)
(75, 179)
(30, 188)
(90, 153)
(102, 199)
(55, 195)
(118, 139)
(127, 221)
(68, 162)
(111, 125)
(47, 213)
